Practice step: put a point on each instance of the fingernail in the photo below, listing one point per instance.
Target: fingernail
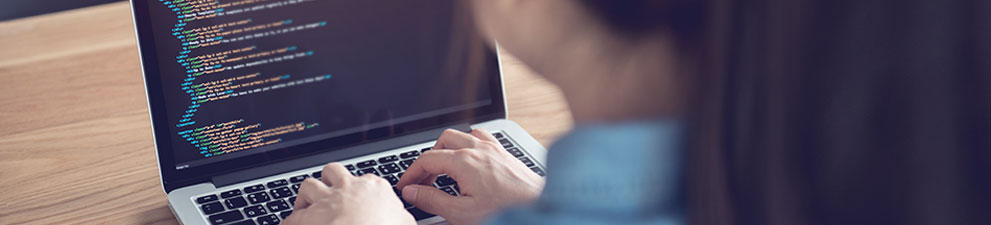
(409, 193)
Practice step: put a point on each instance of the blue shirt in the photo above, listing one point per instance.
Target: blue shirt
(617, 173)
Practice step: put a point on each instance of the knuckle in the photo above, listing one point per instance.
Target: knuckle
(479, 131)
(329, 165)
(462, 154)
(370, 180)
(307, 185)
(379, 181)
(344, 181)
(491, 145)
(468, 154)
(368, 176)
(449, 132)
(325, 201)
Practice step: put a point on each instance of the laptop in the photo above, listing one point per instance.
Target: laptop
(248, 98)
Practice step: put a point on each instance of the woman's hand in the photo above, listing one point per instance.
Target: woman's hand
(341, 198)
(490, 178)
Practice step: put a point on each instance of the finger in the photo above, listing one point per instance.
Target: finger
(431, 200)
(309, 192)
(454, 139)
(334, 174)
(484, 135)
(427, 166)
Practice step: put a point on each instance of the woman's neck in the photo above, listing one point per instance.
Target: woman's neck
(610, 79)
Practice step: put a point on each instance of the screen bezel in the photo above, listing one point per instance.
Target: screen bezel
(173, 178)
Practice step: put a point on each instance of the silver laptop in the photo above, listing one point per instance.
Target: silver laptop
(249, 97)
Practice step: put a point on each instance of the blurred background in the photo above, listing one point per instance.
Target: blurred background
(13, 9)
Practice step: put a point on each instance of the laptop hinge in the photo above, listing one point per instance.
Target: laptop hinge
(331, 156)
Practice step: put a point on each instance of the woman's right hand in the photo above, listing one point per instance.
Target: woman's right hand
(490, 178)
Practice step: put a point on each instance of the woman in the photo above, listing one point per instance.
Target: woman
(794, 111)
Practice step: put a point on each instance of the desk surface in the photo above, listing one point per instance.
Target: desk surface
(75, 140)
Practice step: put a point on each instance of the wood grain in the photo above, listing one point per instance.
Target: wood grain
(75, 139)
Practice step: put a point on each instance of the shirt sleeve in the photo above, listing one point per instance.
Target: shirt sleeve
(610, 174)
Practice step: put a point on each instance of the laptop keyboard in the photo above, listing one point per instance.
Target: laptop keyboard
(269, 203)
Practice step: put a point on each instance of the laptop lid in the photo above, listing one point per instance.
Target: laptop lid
(235, 84)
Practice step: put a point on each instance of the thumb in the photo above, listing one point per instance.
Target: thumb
(430, 199)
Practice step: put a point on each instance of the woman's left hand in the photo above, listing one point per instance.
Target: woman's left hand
(340, 198)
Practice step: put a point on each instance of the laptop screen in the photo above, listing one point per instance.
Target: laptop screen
(247, 77)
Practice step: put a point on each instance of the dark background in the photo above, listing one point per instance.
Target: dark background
(13, 9)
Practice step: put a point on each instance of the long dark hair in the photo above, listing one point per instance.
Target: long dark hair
(831, 112)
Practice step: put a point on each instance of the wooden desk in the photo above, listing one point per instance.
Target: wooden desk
(75, 139)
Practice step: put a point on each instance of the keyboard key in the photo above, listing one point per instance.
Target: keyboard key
(205, 199)
(444, 180)
(255, 198)
(389, 168)
(316, 174)
(400, 174)
(277, 183)
(366, 164)
(277, 205)
(254, 189)
(388, 159)
(538, 171)
(231, 193)
(457, 188)
(505, 143)
(409, 154)
(285, 214)
(526, 161)
(235, 202)
(419, 214)
(253, 211)
(298, 179)
(498, 135)
(282, 192)
(405, 164)
(392, 179)
(350, 167)
(515, 152)
(292, 200)
(367, 171)
(449, 191)
(425, 149)
(226, 217)
(211, 208)
(270, 219)
(244, 222)
(295, 187)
